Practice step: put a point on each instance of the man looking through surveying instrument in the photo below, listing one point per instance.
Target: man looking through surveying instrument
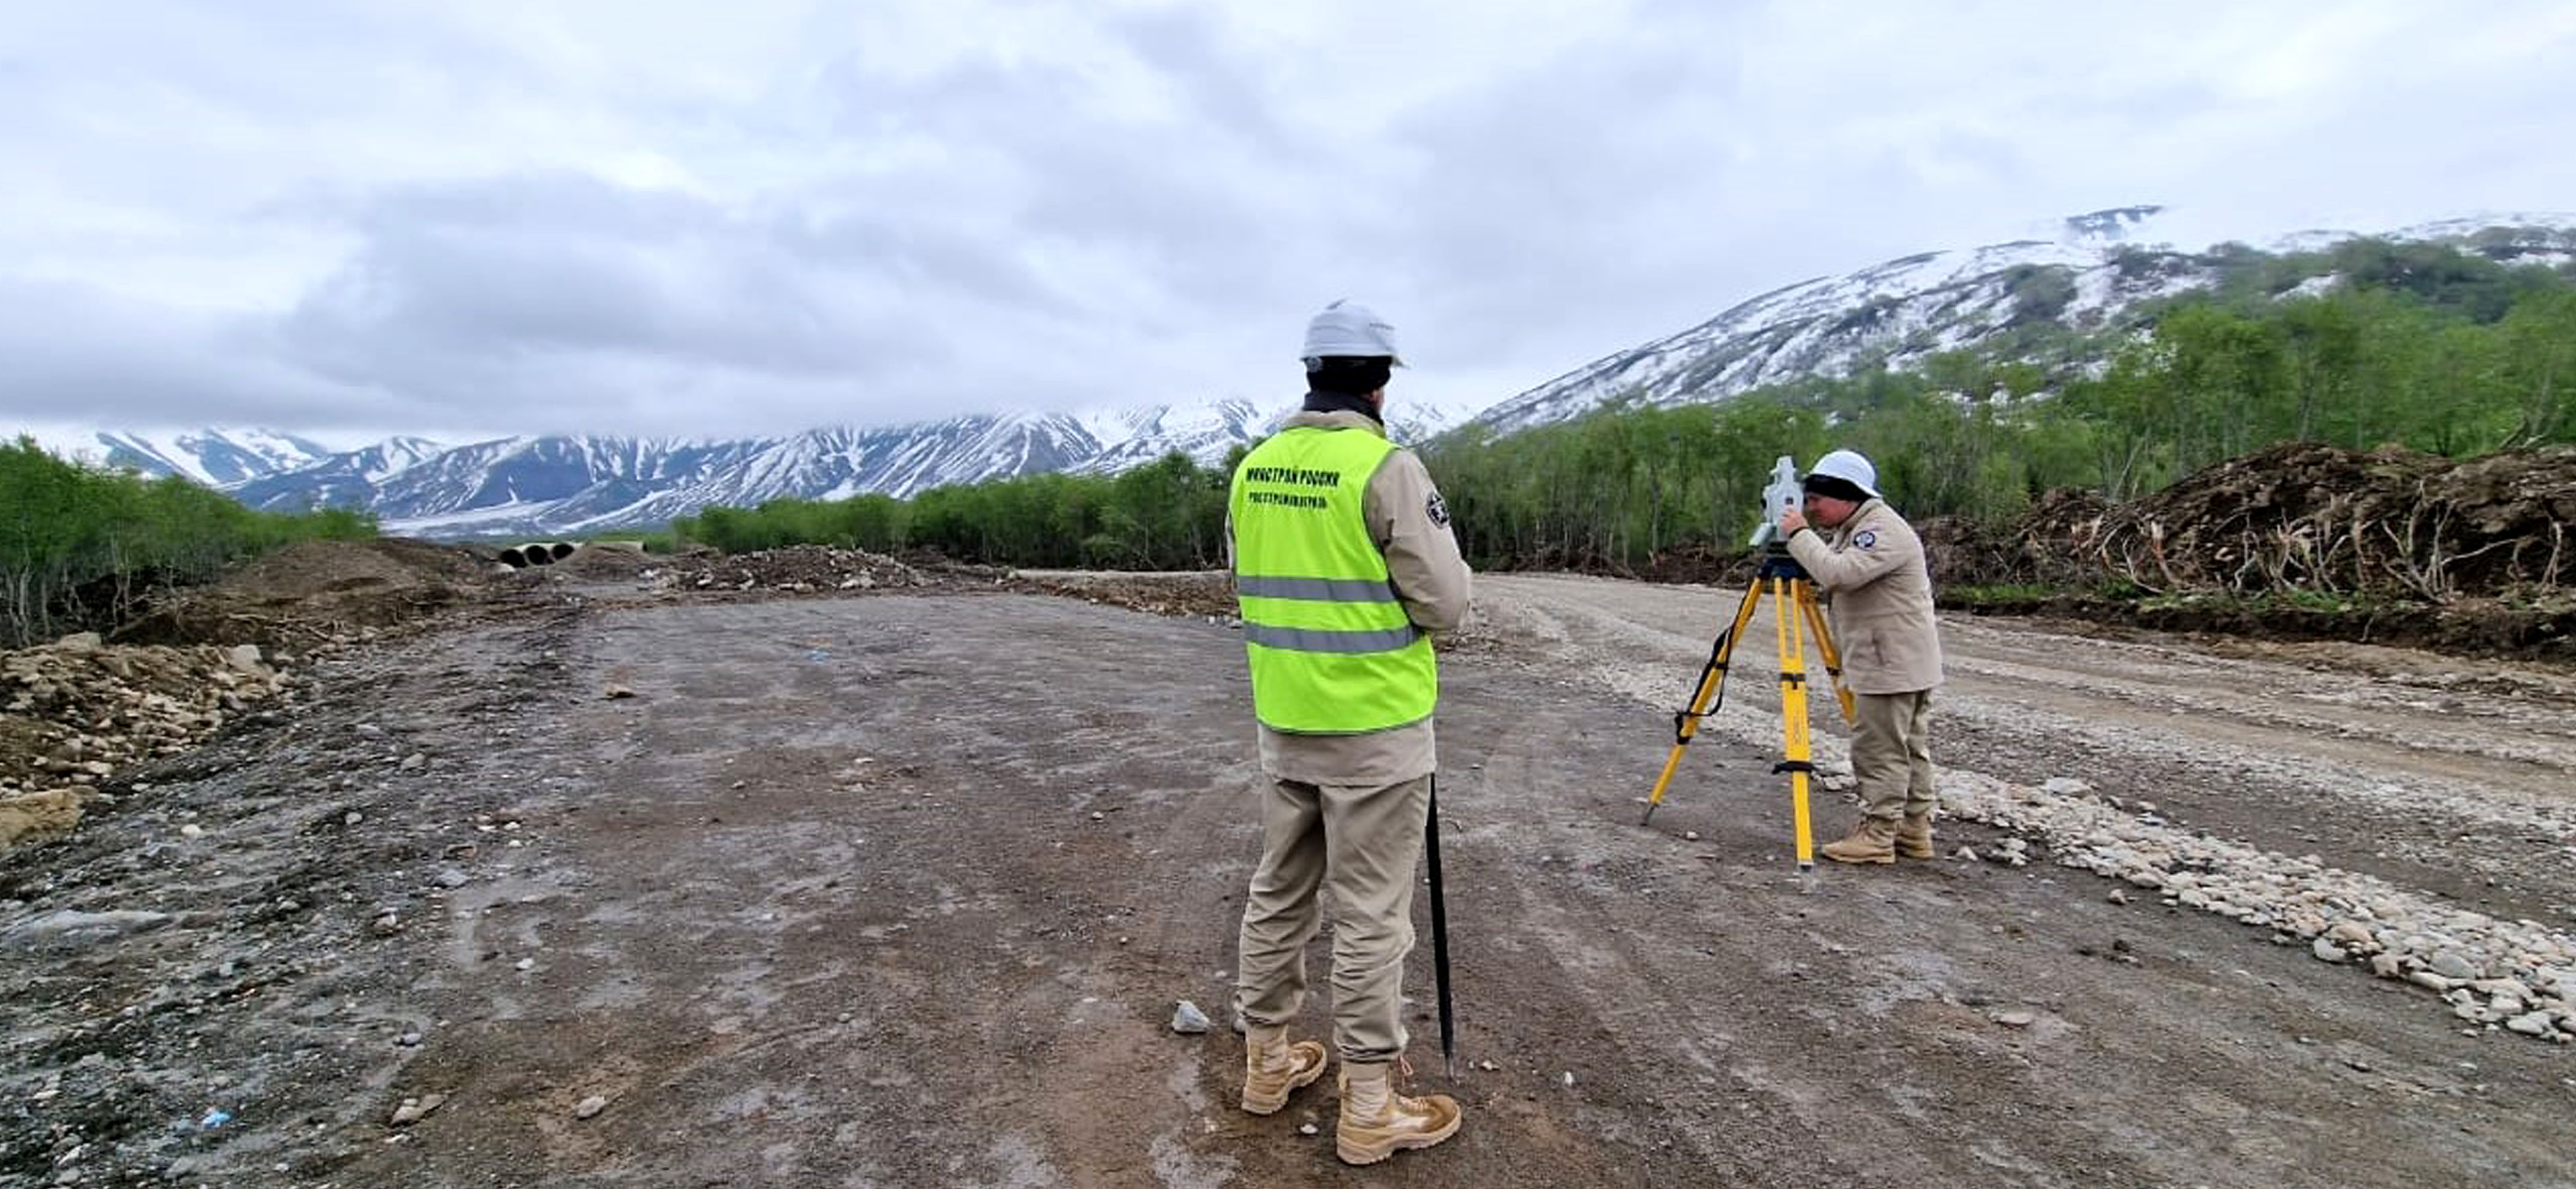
(1880, 597)
(1343, 563)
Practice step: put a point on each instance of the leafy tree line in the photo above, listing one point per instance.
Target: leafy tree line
(2425, 346)
(1166, 515)
(82, 546)
(2422, 345)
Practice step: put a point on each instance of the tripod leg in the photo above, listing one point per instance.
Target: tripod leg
(1825, 645)
(1788, 623)
(1711, 690)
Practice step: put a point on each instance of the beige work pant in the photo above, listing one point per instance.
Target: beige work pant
(1357, 845)
(1891, 753)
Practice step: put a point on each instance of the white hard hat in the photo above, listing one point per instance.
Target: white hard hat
(1348, 328)
(1850, 467)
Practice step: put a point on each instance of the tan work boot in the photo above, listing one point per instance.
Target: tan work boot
(1377, 1122)
(1914, 836)
(1273, 1066)
(1873, 841)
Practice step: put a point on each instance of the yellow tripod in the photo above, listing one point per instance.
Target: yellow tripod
(1793, 608)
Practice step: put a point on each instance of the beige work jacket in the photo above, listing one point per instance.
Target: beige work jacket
(1879, 591)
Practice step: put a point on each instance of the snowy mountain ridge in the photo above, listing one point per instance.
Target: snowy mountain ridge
(1902, 311)
(2079, 273)
(568, 485)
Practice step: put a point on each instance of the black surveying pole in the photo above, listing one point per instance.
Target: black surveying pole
(1440, 934)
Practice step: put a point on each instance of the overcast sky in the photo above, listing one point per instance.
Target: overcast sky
(470, 218)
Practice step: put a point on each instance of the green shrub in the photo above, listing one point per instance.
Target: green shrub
(82, 546)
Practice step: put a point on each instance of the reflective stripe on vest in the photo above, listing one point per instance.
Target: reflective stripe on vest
(1331, 648)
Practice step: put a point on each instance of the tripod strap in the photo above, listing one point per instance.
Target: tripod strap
(1682, 724)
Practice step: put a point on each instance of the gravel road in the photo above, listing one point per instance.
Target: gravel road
(902, 890)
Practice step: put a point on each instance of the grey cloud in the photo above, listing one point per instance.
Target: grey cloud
(1577, 192)
(466, 282)
(835, 241)
(1198, 202)
(76, 353)
(1215, 76)
(496, 298)
(913, 247)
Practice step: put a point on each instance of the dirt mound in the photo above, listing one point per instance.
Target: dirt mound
(315, 593)
(608, 560)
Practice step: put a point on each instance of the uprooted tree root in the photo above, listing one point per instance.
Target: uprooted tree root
(2303, 541)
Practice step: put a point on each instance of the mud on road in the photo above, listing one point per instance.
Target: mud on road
(902, 889)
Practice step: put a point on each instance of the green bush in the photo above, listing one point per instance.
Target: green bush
(81, 547)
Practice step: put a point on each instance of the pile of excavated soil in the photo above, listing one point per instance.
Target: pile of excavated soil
(607, 561)
(319, 593)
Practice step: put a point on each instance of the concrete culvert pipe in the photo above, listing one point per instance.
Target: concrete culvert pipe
(561, 550)
(511, 557)
(535, 553)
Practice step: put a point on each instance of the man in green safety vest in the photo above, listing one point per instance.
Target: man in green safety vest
(1343, 564)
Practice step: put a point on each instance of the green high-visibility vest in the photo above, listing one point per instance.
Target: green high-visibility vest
(1332, 650)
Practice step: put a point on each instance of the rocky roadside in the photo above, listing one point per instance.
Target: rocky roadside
(78, 711)
(2518, 976)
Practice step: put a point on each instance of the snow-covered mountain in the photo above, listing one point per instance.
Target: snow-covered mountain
(2096, 266)
(2083, 273)
(216, 457)
(575, 485)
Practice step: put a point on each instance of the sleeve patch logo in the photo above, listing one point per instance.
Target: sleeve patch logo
(1437, 510)
(1867, 540)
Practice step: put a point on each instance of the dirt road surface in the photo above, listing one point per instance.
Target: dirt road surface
(902, 890)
